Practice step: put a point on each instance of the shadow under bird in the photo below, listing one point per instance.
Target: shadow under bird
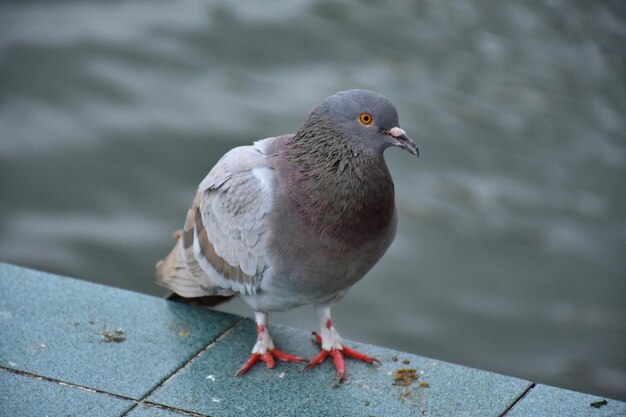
(295, 219)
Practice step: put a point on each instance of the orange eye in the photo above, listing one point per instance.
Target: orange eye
(365, 118)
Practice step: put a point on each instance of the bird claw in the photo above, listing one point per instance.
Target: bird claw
(338, 358)
(268, 358)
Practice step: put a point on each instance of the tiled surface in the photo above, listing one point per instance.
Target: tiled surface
(141, 348)
(26, 396)
(95, 336)
(144, 410)
(545, 401)
(207, 386)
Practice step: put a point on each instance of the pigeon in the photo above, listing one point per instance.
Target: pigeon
(293, 220)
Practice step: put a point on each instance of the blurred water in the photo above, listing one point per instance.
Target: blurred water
(511, 248)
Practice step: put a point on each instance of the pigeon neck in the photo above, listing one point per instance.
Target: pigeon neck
(339, 192)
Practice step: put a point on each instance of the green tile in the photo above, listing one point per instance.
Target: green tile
(208, 386)
(25, 396)
(546, 401)
(95, 336)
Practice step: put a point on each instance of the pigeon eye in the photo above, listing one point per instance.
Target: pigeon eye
(365, 118)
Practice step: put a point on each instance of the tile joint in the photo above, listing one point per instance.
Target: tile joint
(64, 383)
(201, 352)
(518, 399)
(167, 408)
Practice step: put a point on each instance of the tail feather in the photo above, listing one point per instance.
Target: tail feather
(184, 276)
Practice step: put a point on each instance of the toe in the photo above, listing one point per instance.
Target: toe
(254, 358)
(318, 359)
(355, 354)
(286, 357)
(268, 359)
(340, 365)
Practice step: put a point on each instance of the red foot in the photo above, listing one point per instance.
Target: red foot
(337, 355)
(268, 358)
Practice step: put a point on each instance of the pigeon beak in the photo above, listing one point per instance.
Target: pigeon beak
(403, 141)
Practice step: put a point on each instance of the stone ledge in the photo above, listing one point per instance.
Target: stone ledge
(74, 347)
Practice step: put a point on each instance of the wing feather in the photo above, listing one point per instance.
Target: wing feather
(222, 249)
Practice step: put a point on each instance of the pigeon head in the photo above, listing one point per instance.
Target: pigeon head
(367, 121)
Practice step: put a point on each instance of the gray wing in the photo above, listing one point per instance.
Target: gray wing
(226, 229)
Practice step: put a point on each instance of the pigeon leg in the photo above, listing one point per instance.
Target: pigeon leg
(332, 345)
(264, 349)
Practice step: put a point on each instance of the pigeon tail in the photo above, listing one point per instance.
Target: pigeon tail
(176, 274)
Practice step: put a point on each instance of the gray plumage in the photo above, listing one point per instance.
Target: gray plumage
(294, 219)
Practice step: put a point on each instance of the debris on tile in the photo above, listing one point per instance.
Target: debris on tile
(424, 384)
(115, 336)
(406, 361)
(598, 404)
(281, 375)
(394, 357)
(210, 377)
(371, 388)
(216, 400)
(404, 377)
(182, 332)
(36, 348)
